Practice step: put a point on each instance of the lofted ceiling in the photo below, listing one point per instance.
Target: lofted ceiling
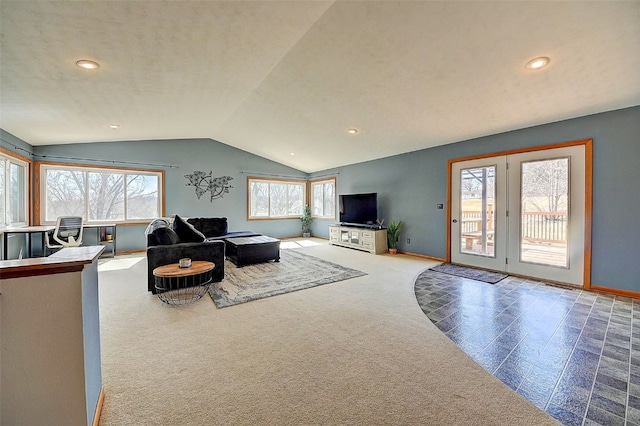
(276, 78)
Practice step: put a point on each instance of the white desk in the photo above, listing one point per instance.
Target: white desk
(30, 230)
(43, 229)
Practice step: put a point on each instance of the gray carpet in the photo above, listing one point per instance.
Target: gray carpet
(295, 271)
(471, 273)
(359, 352)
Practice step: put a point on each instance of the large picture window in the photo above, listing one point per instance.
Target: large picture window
(275, 199)
(99, 194)
(323, 199)
(14, 190)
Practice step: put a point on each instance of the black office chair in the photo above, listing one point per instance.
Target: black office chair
(67, 233)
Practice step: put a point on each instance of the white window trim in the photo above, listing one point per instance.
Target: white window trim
(311, 198)
(18, 160)
(42, 167)
(301, 182)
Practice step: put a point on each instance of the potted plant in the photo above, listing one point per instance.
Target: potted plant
(306, 221)
(393, 235)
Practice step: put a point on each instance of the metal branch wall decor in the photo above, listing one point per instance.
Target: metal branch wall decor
(205, 182)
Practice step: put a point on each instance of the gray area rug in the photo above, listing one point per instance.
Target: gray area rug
(295, 271)
(471, 273)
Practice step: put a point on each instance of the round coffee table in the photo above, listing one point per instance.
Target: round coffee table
(179, 286)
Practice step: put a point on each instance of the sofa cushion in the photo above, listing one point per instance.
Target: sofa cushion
(186, 232)
(166, 236)
(210, 226)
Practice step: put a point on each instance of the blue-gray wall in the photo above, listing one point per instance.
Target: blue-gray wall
(410, 186)
(91, 339)
(14, 144)
(179, 158)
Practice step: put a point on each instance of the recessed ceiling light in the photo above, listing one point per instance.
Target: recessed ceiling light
(114, 126)
(537, 63)
(87, 64)
(352, 131)
(292, 153)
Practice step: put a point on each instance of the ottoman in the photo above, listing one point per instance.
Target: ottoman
(247, 250)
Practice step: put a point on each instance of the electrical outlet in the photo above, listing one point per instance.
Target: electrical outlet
(440, 206)
(408, 240)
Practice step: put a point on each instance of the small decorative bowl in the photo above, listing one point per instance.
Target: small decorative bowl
(185, 263)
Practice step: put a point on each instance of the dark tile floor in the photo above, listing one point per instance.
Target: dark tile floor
(575, 354)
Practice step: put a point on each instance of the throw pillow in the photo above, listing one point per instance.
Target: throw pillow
(186, 232)
(166, 236)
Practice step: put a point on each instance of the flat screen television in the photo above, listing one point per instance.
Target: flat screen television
(359, 209)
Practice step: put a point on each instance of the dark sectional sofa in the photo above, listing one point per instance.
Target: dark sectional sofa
(196, 238)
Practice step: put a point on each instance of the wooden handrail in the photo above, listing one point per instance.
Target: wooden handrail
(69, 259)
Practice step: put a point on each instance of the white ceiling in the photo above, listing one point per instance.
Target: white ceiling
(274, 78)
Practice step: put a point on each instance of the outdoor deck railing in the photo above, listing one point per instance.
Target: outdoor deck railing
(544, 226)
(536, 226)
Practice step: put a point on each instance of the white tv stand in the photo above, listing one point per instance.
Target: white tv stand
(361, 238)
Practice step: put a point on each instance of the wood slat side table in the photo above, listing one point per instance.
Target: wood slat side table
(179, 286)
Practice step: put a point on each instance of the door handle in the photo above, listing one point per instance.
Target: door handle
(455, 221)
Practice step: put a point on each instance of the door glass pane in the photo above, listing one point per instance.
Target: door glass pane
(477, 205)
(544, 212)
(355, 237)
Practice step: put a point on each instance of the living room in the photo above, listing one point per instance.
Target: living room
(410, 197)
(412, 184)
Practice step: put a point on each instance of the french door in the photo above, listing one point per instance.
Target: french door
(522, 213)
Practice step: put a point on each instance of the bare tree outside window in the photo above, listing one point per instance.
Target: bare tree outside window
(544, 210)
(318, 197)
(324, 199)
(106, 196)
(329, 199)
(295, 200)
(545, 186)
(474, 179)
(14, 191)
(101, 194)
(278, 200)
(142, 196)
(65, 194)
(259, 199)
(18, 195)
(275, 199)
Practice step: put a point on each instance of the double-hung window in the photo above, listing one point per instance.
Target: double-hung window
(323, 199)
(275, 199)
(99, 194)
(14, 190)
